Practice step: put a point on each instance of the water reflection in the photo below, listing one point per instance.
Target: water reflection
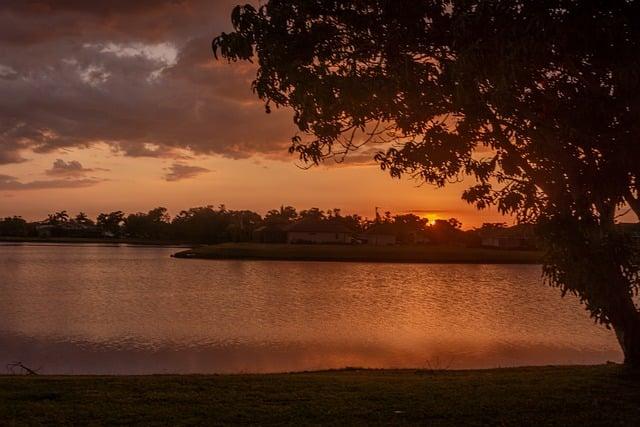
(91, 309)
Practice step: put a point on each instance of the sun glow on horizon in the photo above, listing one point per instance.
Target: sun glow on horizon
(430, 216)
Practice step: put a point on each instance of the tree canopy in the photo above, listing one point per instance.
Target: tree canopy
(538, 102)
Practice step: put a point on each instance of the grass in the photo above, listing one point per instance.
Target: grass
(363, 253)
(595, 395)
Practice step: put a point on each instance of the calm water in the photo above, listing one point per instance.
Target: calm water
(91, 309)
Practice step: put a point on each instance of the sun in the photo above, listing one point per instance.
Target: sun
(431, 216)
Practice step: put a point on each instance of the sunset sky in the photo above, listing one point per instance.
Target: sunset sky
(123, 107)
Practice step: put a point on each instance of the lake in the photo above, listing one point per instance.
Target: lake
(90, 309)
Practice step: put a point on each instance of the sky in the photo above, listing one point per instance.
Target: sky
(120, 105)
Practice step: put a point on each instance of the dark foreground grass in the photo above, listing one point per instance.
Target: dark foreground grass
(363, 253)
(597, 395)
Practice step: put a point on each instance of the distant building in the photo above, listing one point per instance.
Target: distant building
(315, 231)
(516, 237)
(379, 235)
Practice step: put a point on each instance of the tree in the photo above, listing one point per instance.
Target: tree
(409, 226)
(354, 222)
(283, 215)
(491, 226)
(314, 214)
(111, 223)
(58, 218)
(152, 225)
(202, 224)
(446, 231)
(14, 226)
(242, 223)
(537, 101)
(83, 218)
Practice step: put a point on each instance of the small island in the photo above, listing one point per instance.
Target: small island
(363, 253)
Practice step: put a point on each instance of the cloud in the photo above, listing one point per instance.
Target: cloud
(72, 168)
(9, 154)
(180, 171)
(7, 72)
(138, 76)
(11, 183)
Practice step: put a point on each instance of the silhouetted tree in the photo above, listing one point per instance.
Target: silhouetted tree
(152, 225)
(313, 213)
(410, 227)
(281, 216)
(111, 222)
(57, 218)
(241, 225)
(538, 101)
(203, 224)
(446, 231)
(493, 226)
(83, 218)
(353, 222)
(13, 226)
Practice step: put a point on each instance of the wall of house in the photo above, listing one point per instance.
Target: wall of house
(380, 239)
(504, 242)
(308, 237)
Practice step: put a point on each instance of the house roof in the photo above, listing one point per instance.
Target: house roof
(315, 226)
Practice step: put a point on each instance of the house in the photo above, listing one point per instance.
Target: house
(516, 237)
(317, 231)
(270, 233)
(379, 234)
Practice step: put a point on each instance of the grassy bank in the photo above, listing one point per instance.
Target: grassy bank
(362, 253)
(598, 395)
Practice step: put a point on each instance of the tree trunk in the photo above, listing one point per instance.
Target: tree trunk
(622, 311)
(626, 323)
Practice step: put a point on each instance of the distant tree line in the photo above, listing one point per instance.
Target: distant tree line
(209, 224)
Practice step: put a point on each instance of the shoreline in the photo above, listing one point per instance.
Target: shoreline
(409, 254)
(567, 395)
(90, 240)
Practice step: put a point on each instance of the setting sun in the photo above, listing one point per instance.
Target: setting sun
(432, 217)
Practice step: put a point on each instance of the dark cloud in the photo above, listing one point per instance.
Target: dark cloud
(97, 8)
(9, 154)
(179, 171)
(72, 168)
(138, 76)
(11, 183)
(26, 22)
